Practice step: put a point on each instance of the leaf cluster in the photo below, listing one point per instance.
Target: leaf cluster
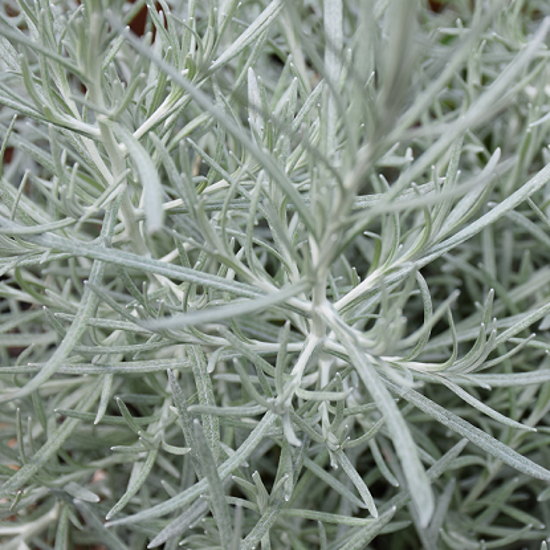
(271, 272)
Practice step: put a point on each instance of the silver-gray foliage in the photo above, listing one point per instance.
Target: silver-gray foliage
(270, 272)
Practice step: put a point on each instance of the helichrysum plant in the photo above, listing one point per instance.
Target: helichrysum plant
(274, 274)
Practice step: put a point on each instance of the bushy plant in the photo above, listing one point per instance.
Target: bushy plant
(270, 272)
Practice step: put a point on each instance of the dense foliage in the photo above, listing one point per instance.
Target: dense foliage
(274, 274)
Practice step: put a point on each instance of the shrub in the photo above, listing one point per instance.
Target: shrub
(270, 272)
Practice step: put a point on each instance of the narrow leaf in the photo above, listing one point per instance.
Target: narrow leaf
(478, 437)
(148, 175)
(140, 472)
(218, 504)
(404, 445)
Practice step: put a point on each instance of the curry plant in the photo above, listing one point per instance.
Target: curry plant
(274, 274)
